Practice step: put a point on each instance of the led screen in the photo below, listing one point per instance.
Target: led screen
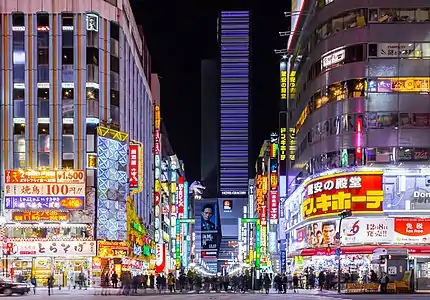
(112, 187)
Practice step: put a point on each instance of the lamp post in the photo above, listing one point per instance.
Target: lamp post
(344, 214)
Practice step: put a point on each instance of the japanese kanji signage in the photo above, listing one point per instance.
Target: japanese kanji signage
(259, 192)
(43, 216)
(54, 249)
(181, 197)
(356, 191)
(134, 165)
(44, 189)
(274, 203)
(283, 137)
(411, 230)
(292, 87)
(112, 249)
(292, 147)
(283, 80)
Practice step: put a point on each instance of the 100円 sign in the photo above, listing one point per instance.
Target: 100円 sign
(356, 191)
(44, 189)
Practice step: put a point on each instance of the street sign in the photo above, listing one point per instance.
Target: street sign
(338, 251)
(337, 236)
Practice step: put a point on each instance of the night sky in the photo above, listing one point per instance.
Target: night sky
(182, 33)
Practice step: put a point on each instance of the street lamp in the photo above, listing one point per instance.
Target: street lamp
(343, 215)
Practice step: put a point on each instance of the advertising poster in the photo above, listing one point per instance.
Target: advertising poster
(208, 218)
(321, 234)
(367, 230)
(411, 230)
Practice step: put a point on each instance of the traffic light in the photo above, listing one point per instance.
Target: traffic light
(345, 214)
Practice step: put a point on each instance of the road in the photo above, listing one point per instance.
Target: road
(301, 295)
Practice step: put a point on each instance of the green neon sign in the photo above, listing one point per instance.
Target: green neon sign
(249, 220)
(188, 221)
(257, 247)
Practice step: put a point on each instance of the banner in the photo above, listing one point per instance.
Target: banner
(53, 249)
(283, 143)
(283, 261)
(411, 230)
(319, 234)
(367, 230)
(359, 192)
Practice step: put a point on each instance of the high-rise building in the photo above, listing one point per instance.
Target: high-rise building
(74, 100)
(235, 61)
(356, 79)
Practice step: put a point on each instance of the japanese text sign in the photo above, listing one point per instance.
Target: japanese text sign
(283, 83)
(44, 189)
(273, 206)
(283, 144)
(134, 163)
(292, 85)
(367, 230)
(259, 192)
(357, 191)
(181, 197)
(263, 215)
(292, 144)
(54, 249)
(43, 216)
(409, 230)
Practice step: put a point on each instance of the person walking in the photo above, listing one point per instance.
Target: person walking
(321, 280)
(267, 283)
(34, 284)
(295, 283)
(50, 285)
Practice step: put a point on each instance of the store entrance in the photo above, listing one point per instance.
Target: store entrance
(423, 273)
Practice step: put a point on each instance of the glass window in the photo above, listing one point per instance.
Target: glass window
(114, 81)
(114, 31)
(19, 160)
(43, 108)
(114, 97)
(67, 73)
(114, 113)
(67, 39)
(43, 39)
(19, 129)
(380, 120)
(68, 163)
(68, 108)
(18, 19)
(93, 108)
(43, 128)
(68, 129)
(18, 73)
(43, 94)
(114, 64)
(92, 93)
(19, 109)
(43, 57)
(43, 73)
(92, 56)
(18, 94)
(114, 47)
(43, 159)
(92, 39)
(92, 73)
(44, 143)
(19, 143)
(42, 19)
(68, 143)
(410, 120)
(67, 94)
(67, 56)
(67, 19)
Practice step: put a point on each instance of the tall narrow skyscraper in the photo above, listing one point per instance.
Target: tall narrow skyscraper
(234, 40)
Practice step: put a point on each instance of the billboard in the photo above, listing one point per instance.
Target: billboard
(367, 230)
(208, 223)
(135, 167)
(40, 216)
(283, 143)
(44, 189)
(112, 186)
(328, 195)
(318, 234)
(53, 249)
(411, 230)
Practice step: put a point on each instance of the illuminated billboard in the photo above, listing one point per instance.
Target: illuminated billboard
(112, 184)
(208, 221)
(360, 192)
(136, 167)
(283, 80)
(44, 189)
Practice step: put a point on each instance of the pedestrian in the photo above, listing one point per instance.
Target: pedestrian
(267, 283)
(114, 280)
(295, 283)
(321, 280)
(50, 285)
(105, 284)
(33, 283)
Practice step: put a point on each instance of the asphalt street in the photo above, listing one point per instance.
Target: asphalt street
(301, 295)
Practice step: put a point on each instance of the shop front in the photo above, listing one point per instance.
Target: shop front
(65, 260)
